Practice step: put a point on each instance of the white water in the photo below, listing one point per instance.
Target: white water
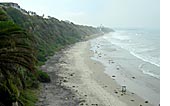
(134, 55)
(143, 44)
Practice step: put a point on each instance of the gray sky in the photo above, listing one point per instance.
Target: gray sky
(112, 13)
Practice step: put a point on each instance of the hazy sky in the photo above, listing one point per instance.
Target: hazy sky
(112, 13)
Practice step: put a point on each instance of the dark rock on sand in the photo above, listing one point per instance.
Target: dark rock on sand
(146, 102)
(113, 76)
(134, 77)
(55, 93)
(132, 100)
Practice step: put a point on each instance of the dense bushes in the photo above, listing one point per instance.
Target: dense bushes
(17, 62)
(43, 77)
(28, 97)
(50, 33)
(25, 43)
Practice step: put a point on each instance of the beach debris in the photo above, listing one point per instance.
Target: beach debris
(71, 74)
(82, 102)
(111, 61)
(105, 86)
(116, 92)
(94, 104)
(132, 100)
(65, 81)
(113, 76)
(134, 77)
(124, 89)
(117, 67)
(146, 101)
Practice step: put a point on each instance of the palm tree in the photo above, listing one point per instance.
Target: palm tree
(16, 54)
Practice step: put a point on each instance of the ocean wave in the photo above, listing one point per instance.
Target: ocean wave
(145, 52)
(151, 74)
(146, 60)
(145, 70)
(144, 48)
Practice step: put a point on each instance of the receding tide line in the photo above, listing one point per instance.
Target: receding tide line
(144, 71)
(139, 57)
(144, 59)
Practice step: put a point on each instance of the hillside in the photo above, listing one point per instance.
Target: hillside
(26, 41)
(50, 33)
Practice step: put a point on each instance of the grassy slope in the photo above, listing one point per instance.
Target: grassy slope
(50, 35)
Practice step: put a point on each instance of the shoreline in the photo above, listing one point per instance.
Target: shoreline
(97, 79)
(126, 70)
(84, 80)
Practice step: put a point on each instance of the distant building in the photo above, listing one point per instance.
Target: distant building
(67, 21)
(101, 27)
(13, 5)
(10, 4)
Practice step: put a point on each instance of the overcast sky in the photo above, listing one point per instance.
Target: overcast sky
(112, 13)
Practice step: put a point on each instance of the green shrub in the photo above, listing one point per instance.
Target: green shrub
(8, 92)
(43, 77)
(28, 98)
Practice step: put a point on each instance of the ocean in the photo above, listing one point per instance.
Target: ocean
(132, 58)
(141, 43)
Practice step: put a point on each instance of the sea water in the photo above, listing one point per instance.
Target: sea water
(129, 53)
(142, 43)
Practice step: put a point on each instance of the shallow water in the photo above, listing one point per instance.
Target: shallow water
(140, 73)
(143, 44)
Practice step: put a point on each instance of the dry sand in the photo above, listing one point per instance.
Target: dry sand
(79, 80)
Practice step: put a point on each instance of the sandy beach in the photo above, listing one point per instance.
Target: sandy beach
(77, 80)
